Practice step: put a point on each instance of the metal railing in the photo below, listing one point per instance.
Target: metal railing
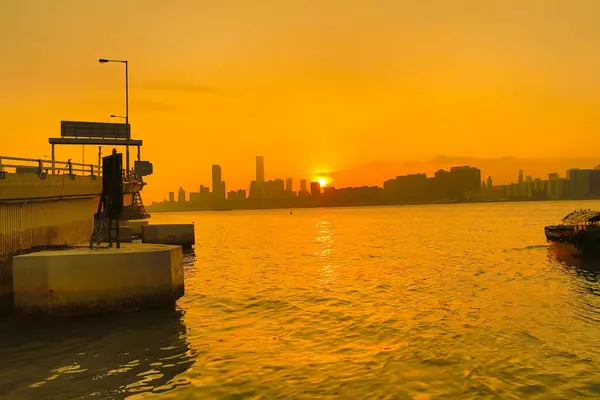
(49, 167)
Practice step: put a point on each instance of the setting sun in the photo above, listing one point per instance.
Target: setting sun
(322, 181)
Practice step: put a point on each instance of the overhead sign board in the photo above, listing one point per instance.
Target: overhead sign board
(143, 168)
(95, 130)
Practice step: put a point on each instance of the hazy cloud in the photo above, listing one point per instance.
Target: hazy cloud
(181, 87)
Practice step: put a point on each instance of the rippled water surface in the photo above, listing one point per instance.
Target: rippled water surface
(448, 301)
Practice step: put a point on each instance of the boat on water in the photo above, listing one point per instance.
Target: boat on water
(581, 228)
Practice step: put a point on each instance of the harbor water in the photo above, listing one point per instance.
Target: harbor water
(403, 302)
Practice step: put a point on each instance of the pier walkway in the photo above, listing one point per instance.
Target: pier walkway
(45, 204)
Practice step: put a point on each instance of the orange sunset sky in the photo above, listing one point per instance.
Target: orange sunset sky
(362, 90)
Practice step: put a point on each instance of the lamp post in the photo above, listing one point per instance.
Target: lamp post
(104, 61)
(138, 148)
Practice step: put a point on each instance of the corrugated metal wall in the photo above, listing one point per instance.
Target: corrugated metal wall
(33, 224)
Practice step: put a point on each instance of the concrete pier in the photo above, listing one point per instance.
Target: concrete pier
(84, 280)
(125, 233)
(176, 234)
(136, 227)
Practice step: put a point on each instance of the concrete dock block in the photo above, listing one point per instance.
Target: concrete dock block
(84, 280)
(177, 234)
(126, 233)
(136, 227)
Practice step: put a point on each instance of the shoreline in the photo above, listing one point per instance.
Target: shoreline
(191, 208)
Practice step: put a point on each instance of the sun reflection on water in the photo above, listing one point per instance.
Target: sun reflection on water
(324, 237)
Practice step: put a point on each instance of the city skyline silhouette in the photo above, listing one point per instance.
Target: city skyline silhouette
(463, 183)
(314, 87)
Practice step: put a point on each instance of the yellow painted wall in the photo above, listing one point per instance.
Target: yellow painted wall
(31, 186)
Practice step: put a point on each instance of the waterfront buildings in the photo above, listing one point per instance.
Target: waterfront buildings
(303, 187)
(218, 185)
(260, 169)
(315, 188)
(460, 183)
(584, 183)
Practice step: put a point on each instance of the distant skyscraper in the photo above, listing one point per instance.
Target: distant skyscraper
(274, 189)
(537, 185)
(216, 178)
(195, 197)
(218, 186)
(463, 180)
(489, 182)
(288, 185)
(172, 197)
(584, 183)
(260, 169)
(254, 192)
(315, 188)
(328, 190)
(181, 195)
(520, 176)
(303, 185)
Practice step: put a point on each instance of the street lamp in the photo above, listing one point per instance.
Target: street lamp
(138, 148)
(104, 61)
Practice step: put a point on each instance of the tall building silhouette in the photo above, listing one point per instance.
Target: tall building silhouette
(520, 176)
(288, 185)
(274, 189)
(464, 179)
(584, 183)
(260, 169)
(303, 185)
(315, 188)
(172, 197)
(218, 186)
(181, 195)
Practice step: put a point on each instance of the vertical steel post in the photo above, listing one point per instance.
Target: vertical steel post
(127, 111)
